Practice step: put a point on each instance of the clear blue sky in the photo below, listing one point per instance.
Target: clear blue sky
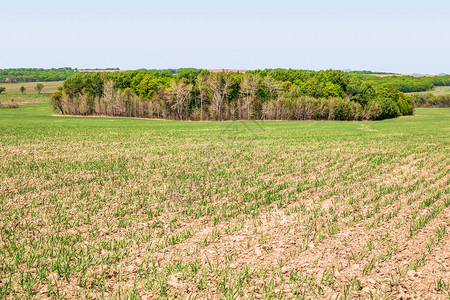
(404, 36)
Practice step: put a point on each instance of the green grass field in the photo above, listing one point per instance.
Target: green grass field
(132, 208)
(436, 91)
(12, 92)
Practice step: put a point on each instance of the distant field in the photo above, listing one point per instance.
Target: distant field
(31, 95)
(130, 208)
(437, 91)
(49, 87)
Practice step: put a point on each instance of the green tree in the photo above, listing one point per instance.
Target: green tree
(332, 90)
(56, 101)
(39, 87)
(2, 89)
(22, 89)
(181, 94)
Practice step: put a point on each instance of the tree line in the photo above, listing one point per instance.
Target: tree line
(430, 100)
(408, 84)
(280, 94)
(60, 74)
(35, 74)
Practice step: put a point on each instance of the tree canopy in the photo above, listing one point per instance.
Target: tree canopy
(39, 87)
(35, 74)
(408, 84)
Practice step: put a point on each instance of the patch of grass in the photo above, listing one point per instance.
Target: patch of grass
(436, 91)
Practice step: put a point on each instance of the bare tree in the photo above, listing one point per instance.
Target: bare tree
(201, 84)
(182, 93)
(164, 97)
(249, 88)
(220, 86)
(273, 86)
(109, 98)
(269, 110)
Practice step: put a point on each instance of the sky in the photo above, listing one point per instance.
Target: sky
(392, 36)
